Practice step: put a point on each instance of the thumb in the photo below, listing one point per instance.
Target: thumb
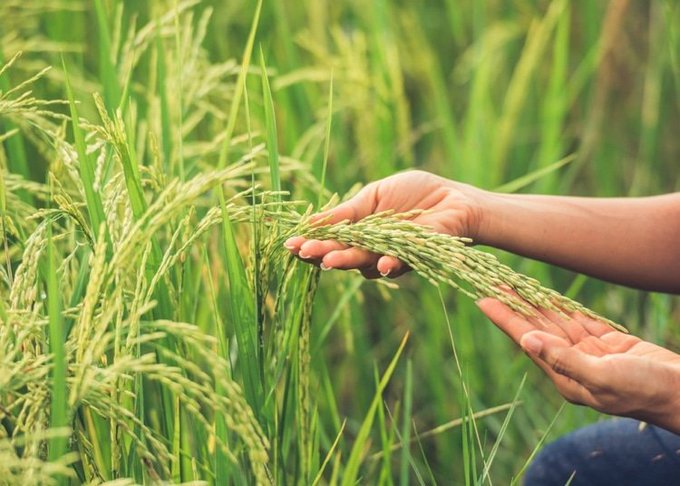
(561, 357)
(358, 207)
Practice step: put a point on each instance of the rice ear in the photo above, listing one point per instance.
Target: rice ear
(448, 260)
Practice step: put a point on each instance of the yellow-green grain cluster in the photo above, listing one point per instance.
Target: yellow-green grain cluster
(449, 260)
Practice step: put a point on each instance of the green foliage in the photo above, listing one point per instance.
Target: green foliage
(152, 326)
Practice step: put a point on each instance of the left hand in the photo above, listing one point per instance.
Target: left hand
(592, 364)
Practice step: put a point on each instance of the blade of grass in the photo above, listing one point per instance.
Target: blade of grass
(240, 86)
(326, 146)
(94, 204)
(406, 426)
(501, 433)
(242, 312)
(222, 463)
(387, 438)
(395, 429)
(107, 70)
(555, 106)
(424, 457)
(270, 123)
(463, 381)
(355, 458)
(319, 474)
(518, 476)
(519, 87)
(342, 301)
(535, 175)
(469, 429)
(59, 398)
(444, 427)
(176, 468)
(180, 101)
(166, 130)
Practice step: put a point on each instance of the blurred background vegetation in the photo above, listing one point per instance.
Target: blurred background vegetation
(486, 92)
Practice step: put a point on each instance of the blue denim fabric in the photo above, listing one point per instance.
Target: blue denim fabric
(614, 452)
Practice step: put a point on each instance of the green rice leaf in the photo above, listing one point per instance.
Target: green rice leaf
(107, 70)
(406, 426)
(270, 123)
(240, 86)
(94, 204)
(59, 398)
(358, 449)
(242, 312)
(327, 144)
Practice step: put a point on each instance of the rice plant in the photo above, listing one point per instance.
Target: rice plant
(155, 155)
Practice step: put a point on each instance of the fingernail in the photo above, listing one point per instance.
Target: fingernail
(385, 274)
(531, 344)
(304, 255)
(288, 245)
(324, 267)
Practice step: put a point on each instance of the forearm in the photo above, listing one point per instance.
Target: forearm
(630, 241)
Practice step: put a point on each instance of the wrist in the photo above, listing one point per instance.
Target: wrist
(663, 409)
(669, 419)
(474, 204)
(490, 218)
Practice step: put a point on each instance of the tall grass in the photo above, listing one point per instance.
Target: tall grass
(154, 329)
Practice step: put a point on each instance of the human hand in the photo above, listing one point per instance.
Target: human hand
(592, 364)
(452, 208)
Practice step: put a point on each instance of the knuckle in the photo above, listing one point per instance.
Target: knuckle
(559, 365)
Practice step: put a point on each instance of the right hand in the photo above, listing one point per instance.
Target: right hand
(453, 208)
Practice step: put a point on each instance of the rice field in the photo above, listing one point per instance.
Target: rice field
(154, 156)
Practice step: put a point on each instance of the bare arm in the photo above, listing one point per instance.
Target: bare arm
(632, 241)
(629, 241)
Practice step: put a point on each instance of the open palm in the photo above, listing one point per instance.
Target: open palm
(592, 364)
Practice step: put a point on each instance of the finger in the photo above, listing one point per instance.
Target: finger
(293, 244)
(593, 326)
(312, 261)
(507, 320)
(392, 267)
(571, 390)
(517, 327)
(538, 319)
(317, 249)
(354, 209)
(515, 324)
(619, 342)
(350, 259)
(571, 328)
(563, 358)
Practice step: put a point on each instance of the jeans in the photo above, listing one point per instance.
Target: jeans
(618, 452)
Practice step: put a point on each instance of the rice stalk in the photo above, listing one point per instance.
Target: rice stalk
(445, 259)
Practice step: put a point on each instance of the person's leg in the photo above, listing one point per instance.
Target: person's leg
(618, 451)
